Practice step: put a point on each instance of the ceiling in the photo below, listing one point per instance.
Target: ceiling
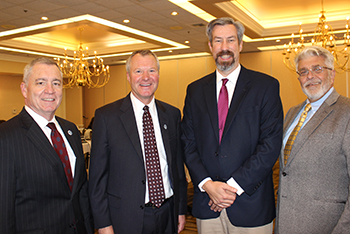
(23, 35)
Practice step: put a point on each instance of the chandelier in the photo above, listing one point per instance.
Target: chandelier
(79, 72)
(325, 37)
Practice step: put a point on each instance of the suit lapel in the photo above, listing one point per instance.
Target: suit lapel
(322, 113)
(129, 122)
(209, 90)
(39, 139)
(79, 162)
(241, 89)
(163, 122)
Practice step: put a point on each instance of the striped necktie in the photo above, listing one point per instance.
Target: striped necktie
(293, 135)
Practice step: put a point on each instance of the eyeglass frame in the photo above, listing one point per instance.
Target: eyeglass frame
(312, 70)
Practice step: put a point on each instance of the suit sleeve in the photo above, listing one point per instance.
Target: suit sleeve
(181, 171)
(98, 173)
(7, 188)
(343, 225)
(192, 158)
(259, 165)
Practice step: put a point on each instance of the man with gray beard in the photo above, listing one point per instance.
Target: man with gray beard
(313, 193)
(232, 135)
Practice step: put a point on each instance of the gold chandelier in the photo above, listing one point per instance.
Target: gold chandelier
(324, 36)
(79, 72)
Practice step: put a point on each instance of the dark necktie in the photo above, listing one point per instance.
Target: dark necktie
(154, 174)
(222, 107)
(293, 135)
(60, 148)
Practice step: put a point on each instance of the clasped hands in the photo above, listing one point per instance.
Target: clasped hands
(221, 195)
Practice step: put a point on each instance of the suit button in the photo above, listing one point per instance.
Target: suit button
(141, 207)
(216, 154)
(284, 174)
(143, 182)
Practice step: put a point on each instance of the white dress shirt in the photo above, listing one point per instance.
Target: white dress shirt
(42, 122)
(138, 112)
(230, 85)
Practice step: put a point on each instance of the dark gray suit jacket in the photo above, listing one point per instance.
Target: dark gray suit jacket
(117, 182)
(313, 194)
(34, 193)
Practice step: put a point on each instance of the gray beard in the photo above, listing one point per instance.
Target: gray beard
(225, 66)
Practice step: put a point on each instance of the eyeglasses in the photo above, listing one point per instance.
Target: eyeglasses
(313, 69)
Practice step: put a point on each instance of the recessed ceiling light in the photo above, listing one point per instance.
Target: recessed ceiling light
(174, 13)
(186, 42)
(170, 51)
(278, 40)
(126, 21)
(44, 18)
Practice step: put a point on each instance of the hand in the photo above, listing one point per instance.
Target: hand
(221, 194)
(214, 207)
(181, 225)
(106, 230)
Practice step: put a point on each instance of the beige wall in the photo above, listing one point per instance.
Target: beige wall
(79, 104)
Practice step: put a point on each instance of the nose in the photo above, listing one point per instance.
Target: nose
(49, 88)
(224, 45)
(310, 74)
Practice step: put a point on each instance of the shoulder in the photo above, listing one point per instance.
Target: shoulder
(113, 106)
(167, 107)
(257, 77)
(204, 80)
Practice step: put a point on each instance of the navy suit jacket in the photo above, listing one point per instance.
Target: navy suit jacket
(250, 144)
(35, 196)
(117, 175)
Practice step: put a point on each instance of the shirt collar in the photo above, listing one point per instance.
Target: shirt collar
(41, 121)
(138, 105)
(232, 77)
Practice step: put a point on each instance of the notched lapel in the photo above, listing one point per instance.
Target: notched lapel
(129, 122)
(163, 122)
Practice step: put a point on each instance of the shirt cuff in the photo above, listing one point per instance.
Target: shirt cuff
(234, 184)
(200, 185)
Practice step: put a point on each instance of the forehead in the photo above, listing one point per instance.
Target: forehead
(139, 60)
(227, 30)
(311, 61)
(47, 71)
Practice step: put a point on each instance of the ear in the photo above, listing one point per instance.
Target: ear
(23, 87)
(241, 46)
(128, 77)
(210, 46)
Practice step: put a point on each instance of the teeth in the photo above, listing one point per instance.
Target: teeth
(145, 85)
(225, 56)
(48, 99)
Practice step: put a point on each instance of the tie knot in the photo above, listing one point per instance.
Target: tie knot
(52, 126)
(224, 81)
(307, 107)
(145, 108)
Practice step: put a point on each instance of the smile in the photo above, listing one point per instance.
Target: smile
(48, 99)
(145, 85)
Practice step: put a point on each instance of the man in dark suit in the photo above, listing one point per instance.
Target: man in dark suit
(35, 193)
(230, 161)
(313, 193)
(120, 186)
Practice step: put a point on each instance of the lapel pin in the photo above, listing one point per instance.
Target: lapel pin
(70, 132)
(165, 127)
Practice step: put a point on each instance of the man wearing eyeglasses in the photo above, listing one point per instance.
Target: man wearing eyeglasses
(313, 194)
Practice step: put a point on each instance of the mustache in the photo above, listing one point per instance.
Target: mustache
(225, 52)
(313, 81)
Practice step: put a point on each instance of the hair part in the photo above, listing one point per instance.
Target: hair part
(41, 60)
(222, 22)
(143, 53)
(312, 51)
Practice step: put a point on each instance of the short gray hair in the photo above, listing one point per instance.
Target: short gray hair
(142, 53)
(222, 22)
(41, 60)
(312, 51)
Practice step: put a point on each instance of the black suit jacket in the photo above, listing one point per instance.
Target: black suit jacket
(35, 196)
(117, 183)
(249, 147)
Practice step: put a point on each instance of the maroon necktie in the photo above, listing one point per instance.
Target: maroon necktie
(60, 148)
(222, 107)
(154, 174)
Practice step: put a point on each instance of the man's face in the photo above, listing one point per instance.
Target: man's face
(315, 85)
(143, 77)
(225, 48)
(43, 92)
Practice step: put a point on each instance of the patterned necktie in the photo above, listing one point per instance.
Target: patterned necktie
(293, 135)
(154, 174)
(60, 148)
(222, 107)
